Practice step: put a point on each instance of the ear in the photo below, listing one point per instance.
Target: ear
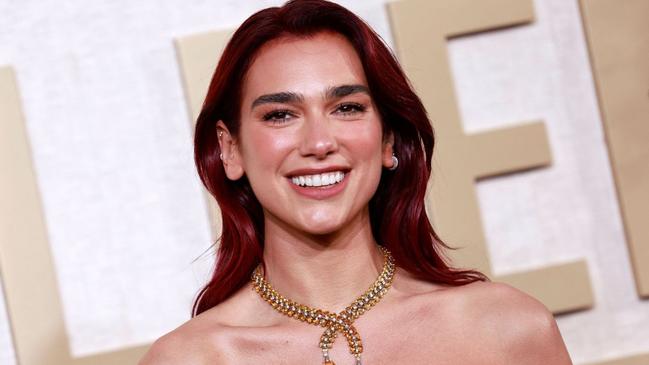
(231, 157)
(386, 155)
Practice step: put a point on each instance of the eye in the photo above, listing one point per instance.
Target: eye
(278, 116)
(350, 108)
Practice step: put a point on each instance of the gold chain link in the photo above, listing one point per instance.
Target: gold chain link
(333, 323)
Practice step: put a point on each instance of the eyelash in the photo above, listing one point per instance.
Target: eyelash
(273, 115)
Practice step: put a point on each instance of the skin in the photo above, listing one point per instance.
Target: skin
(320, 252)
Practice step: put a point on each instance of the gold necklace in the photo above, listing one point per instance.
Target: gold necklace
(333, 322)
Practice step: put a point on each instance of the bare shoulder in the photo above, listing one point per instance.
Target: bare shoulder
(199, 341)
(207, 338)
(517, 328)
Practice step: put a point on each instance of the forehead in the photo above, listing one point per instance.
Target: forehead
(305, 65)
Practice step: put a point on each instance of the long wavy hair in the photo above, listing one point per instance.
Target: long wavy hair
(397, 209)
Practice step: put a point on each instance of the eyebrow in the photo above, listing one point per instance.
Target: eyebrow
(286, 97)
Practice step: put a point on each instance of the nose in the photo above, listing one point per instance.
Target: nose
(318, 138)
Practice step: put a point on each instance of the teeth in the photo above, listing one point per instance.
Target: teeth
(328, 178)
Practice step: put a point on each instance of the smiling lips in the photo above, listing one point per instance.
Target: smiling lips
(324, 179)
(319, 186)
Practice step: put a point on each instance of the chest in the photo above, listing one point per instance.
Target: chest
(402, 338)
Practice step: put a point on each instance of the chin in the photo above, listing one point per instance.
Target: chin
(321, 228)
(321, 231)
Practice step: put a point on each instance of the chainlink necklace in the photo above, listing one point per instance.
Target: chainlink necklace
(332, 322)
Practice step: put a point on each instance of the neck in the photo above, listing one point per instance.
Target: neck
(325, 271)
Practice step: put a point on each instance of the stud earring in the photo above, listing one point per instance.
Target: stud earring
(220, 154)
(395, 163)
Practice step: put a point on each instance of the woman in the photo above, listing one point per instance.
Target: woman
(318, 153)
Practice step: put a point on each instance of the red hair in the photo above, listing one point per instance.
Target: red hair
(397, 209)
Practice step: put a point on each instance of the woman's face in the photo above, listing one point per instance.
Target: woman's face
(307, 119)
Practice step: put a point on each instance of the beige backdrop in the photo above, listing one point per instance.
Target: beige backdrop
(420, 30)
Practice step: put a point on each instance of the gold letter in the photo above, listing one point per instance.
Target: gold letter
(421, 29)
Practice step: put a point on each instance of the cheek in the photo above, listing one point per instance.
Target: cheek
(265, 148)
(365, 141)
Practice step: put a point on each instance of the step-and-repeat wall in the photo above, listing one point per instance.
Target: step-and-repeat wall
(541, 173)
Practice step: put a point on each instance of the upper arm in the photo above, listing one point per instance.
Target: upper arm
(529, 332)
(540, 341)
(167, 350)
(186, 345)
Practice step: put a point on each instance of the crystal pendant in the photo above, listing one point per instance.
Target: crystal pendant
(329, 362)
